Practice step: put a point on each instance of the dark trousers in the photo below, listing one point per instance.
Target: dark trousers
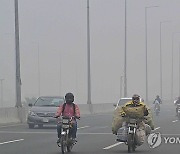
(73, 130)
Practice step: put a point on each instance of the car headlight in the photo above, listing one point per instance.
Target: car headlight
(31, 113)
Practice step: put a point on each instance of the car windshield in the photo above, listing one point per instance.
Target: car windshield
(49, 101)
(123, 101)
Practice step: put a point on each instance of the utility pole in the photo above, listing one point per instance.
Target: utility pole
(88, 56)
(2, 103)
(125, 57)
(18, 77)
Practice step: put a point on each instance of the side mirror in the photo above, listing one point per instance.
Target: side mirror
(114, 105)
(30, 104)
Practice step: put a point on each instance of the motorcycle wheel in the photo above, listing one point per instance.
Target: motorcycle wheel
(130, 143)
(63, 144)
(69, 148)
(178, 116)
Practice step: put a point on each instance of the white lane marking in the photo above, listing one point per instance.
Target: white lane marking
(175, 121)
(11, 141)
(83, 127)
(111, 146)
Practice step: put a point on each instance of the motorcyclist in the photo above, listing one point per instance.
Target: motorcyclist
(157, 102)
(136, 103)
(68, 109)
(177, 102)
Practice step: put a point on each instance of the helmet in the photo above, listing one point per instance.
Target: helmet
(157, 96)
(69, 97)
(135, 98)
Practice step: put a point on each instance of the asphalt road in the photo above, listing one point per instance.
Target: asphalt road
(94, 137)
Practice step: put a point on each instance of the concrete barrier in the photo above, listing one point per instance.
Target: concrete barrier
(9, 115)
(16, 115)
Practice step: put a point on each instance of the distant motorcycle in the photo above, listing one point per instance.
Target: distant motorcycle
(66, 142)
(178, 111)
(157, 108)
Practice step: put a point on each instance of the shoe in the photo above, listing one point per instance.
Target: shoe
(74, 140)
(58, 141)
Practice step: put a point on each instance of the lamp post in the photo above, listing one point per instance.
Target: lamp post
(125, 57)
(179, 69)
(172, 65)
(146, 49)
(2, 103)
(18, 77)
(39, 90)
(161, 56)
(88, 56)
(121, 80)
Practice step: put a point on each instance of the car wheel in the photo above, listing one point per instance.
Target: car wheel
(31, 126)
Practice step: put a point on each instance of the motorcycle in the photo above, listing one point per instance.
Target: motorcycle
(178, 111)
(157, 108)
(66, 143)
(128, 133)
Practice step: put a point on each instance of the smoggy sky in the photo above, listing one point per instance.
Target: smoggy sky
(57, 30)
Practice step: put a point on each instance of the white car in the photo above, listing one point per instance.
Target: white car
(122, 101)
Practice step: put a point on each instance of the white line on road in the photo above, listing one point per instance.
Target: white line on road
(11, 141)
(83, 127)
(175, 121)
(111, 146)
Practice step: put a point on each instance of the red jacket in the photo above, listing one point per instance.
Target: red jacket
(68, 110)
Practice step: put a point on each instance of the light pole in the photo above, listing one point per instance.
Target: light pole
(88, 56)
(39, 90)
(161, 57)
(18, 77)
(2, 103)
(125, 57)
(179, 69)
(172, 65)
(146, 49)
(121, 80)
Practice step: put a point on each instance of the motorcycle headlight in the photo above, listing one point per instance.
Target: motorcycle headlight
(31, 113)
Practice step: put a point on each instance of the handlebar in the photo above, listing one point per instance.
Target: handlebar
(73, 117)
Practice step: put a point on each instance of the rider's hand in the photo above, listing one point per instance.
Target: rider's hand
(56, 116)
(77, 117)
(123, 114)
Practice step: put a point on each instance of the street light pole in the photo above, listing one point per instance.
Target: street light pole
(121, 80)
(146, 56)
(161, 57)
(172, 65)
(125, 55)
(179, 69)
(18, 77)
(39, 90)
(2, 103)
(88, 56)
